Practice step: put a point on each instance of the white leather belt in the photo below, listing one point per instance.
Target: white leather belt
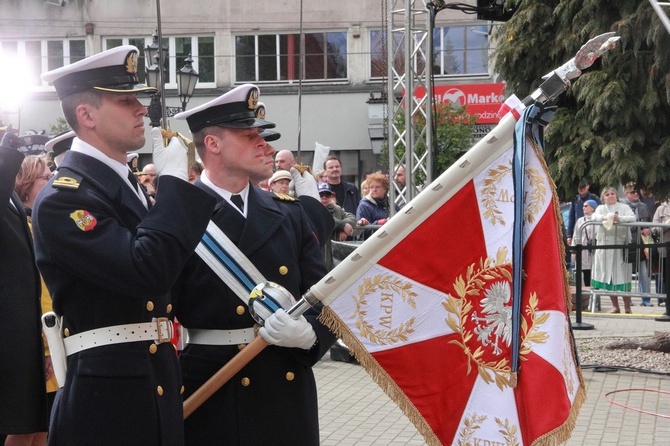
(158, 330)
(220, 337)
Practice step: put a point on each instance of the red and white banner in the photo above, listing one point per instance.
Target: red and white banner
(431, 319)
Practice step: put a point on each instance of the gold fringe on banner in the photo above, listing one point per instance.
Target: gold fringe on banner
(379, 375)
(562, 433)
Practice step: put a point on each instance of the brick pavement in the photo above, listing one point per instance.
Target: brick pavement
(355, 411)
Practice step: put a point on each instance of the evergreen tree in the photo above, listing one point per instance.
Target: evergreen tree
(612, 124)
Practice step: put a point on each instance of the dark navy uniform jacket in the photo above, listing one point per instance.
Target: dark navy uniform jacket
(107, 260)
(272, 400)
(21, 353)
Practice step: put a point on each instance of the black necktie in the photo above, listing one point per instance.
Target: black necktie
(139, 191)
(133, 180)
(237, 201)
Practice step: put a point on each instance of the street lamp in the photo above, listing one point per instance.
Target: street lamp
(156, 49)
(187, 78)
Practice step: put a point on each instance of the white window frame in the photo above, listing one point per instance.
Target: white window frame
(278, 58)
(21, 53)
(172, 57)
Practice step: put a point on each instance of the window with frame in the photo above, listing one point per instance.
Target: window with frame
(41, 56)
(200, 48)
(457, 51)
(276, 57)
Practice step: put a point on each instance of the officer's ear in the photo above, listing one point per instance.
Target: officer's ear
(212, 144)
(84, 113)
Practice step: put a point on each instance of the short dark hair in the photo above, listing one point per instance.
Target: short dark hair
(331, 158)
(583, 183)
(70, 103)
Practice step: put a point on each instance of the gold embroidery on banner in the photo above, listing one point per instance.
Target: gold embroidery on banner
(389, 288)
(568, 364)
(466, 435)
(510, 432)
(476, 282)
(490, 194)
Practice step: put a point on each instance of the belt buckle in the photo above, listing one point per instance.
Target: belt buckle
(163, 330)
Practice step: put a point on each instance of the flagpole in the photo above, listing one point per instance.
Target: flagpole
(427, 202)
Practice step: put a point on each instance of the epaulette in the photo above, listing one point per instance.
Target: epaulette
(66, 179)
(283, 197)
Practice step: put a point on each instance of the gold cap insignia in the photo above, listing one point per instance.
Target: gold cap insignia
(260, 112)
(131, 62)
(252, 100)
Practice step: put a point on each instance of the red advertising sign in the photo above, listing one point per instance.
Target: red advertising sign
(482, 100)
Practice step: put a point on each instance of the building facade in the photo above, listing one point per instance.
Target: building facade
(259, 42)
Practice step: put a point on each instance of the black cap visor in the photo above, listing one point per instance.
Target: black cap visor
(248, 124)
(270, 135)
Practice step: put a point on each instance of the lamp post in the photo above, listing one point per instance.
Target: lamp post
(187, 78)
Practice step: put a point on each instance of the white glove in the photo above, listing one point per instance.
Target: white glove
(282, 330)
(304, 184)
(170, 160)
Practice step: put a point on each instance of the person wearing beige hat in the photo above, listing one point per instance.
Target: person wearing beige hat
(279, 182)
(109, 258)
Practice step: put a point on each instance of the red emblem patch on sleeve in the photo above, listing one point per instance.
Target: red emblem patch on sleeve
(84, 220)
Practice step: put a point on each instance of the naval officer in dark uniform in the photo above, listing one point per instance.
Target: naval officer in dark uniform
(273, 399)
(109, 259)
(23, 403)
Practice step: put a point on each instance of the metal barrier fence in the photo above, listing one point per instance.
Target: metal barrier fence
(647, 271)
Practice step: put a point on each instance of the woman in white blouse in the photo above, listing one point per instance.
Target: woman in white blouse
(610, 269)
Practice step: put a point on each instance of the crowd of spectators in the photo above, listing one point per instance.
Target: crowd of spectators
(597, 221)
